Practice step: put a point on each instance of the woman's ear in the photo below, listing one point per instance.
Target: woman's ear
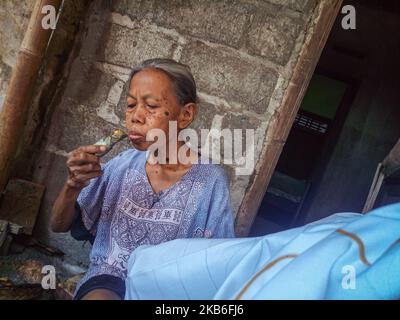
(187, 115)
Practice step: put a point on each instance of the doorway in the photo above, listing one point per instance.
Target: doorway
(321, 114)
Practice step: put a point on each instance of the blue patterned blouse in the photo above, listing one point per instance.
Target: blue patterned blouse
(123, 212)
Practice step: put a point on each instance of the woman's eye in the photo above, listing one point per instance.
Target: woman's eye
(151, 106)
(131, 106)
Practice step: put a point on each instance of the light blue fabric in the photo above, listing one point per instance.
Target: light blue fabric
(121, 209)
(316, 261)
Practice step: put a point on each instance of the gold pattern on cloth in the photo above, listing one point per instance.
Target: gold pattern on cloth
(267, 267)
(359, 242)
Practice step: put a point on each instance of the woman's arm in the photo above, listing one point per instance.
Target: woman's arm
(63, 213)
(82, 165)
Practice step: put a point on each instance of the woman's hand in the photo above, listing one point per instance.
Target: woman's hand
(83, 165)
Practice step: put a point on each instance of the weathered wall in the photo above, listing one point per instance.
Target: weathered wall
(242, 55)
(372, 126)
(14, 18)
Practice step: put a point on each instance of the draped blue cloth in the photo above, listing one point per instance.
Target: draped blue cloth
(344, 256)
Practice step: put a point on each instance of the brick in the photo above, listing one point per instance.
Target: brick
(273, 36)
(217, 21)
(243, 122)
(83, 127)
(238, 188)
(240, 121)
(129, 47)
(136, 10)
(204, 117)
(296, 5)
(87, 85)
(122, 104)
(229, 121)
(236, 79)
(14, 19)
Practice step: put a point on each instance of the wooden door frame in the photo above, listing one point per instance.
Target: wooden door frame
(283, 118)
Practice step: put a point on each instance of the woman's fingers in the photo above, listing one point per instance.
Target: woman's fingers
(79, 157)
(92, 149)
(81, 180)
(77, 185)
(85, 168)
(83, 165)
(82, 177)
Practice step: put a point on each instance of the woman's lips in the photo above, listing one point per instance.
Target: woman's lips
(135, 136)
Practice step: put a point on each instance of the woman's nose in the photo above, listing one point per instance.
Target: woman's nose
(138, 114)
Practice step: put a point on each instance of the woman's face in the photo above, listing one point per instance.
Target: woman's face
(151, 104)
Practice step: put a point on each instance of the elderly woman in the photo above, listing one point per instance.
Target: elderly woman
(131, 201)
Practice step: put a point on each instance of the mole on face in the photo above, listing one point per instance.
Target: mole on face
(166, 113)
(157, 116)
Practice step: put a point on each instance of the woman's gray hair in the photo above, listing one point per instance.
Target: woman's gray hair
(180, 75)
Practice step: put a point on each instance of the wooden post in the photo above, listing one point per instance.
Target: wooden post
(20, 88)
